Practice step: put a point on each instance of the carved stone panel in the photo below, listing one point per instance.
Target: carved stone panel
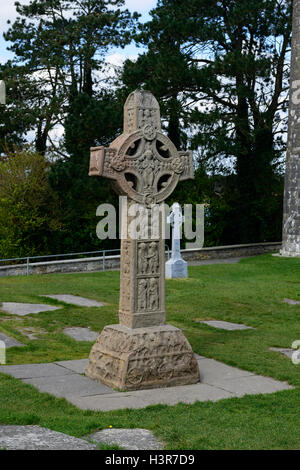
(142, 358)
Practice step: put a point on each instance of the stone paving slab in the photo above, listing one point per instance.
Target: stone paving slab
(109, 402)
(218, 381)
(291, 302)
(215, 373)
(10, 342)
(37, 438)
(69, 385)
(188, 394)
(129, 439)
(75, 300)
(81, 334)
(226, 325)
(78, 365)
(254, 385)
(29, 371)
(20, 309)
(286, 351)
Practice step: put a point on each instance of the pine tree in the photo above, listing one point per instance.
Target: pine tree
(229, 81)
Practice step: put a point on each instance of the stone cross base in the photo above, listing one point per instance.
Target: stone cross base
(176, 269)
(133, 359)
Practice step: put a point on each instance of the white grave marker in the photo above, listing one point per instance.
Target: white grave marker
(176, 267)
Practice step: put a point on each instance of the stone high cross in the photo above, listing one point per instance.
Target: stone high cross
(144, 165)
(2, 92)
(291, 207)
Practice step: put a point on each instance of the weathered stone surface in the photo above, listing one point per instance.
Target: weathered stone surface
(129, 439)
(145, 166)
(226, 325)
(176, 267)
(291, 208)
(37, 438)
(291, 302)
(81, 334)
(75, 300)
(10, 342)
(131, 359)
(26, 309)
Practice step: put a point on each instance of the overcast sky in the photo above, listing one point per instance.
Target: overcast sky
(8, 12)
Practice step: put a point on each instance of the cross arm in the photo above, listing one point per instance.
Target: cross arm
(187, 160)
(103, 162)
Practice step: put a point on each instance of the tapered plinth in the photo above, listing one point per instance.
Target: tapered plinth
(141, 358)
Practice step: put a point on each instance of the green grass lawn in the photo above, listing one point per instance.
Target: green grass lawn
(250, 292)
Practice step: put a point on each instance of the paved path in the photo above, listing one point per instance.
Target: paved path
(65, 379)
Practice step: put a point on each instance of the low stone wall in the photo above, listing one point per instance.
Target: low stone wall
(231, 251)
(113, 262)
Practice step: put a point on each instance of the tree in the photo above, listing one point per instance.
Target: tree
(91, 121)
(60, 45)
(230, 82)
(29, 211)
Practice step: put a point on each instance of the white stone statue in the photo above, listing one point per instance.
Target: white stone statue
(176, 267)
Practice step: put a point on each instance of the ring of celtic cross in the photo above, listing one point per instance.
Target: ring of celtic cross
(148, 166)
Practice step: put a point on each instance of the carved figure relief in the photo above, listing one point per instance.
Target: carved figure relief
(153, 258)
(148, 167)
(148, 258)
(142, 294)
(153, 294)
(148, 294)
(142, 258)
(125, 258)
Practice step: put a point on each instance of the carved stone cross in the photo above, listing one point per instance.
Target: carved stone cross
(144, 165)
(2, 92)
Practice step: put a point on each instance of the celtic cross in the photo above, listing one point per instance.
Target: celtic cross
(145, 166)
(143, 163)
